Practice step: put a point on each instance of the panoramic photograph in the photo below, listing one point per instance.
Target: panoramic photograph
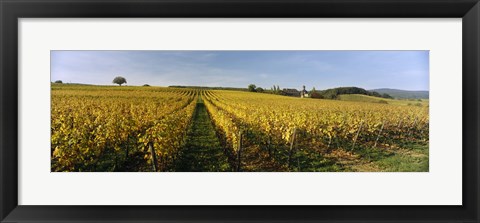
(239, 111)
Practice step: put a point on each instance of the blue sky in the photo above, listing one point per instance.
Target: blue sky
(407, 70)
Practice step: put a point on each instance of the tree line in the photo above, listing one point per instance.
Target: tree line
(332, 93)
(335, 92)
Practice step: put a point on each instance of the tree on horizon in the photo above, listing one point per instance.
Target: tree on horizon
(119, 80)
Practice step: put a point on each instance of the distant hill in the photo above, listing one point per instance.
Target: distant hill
(403, 94)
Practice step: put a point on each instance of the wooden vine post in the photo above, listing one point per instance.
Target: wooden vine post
(290, 152)
(379, 133)
(356, 136)
(412, 127)
(153, 156)
(329, 142)
(239, 151)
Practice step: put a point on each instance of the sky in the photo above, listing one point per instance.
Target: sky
(406, 70)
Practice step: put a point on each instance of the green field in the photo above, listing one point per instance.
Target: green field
(371, 99)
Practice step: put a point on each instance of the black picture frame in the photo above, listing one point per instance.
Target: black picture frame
(12, 10)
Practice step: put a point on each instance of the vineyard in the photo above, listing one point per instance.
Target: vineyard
(102, 128)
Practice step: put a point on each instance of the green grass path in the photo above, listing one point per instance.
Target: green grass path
(203, 151)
